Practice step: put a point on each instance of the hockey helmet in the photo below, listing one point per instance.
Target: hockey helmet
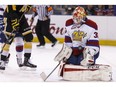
(79, 15)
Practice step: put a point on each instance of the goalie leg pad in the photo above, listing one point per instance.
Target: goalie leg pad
(90, 73)
(64, 53)
(60, 72)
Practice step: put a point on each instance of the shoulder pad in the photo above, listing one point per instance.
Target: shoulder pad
(91, 24)
(69, 22)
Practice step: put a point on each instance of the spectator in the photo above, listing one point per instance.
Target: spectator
(100, 10)
(90, 10)
(69, 10)
(110, 11)
(114, 10)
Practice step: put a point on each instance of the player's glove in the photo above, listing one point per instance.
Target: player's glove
(15, 24)
(88, 56)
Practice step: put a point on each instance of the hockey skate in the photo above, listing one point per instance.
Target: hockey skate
(19, 62)
(27, 63)
(7, 60)
(2, 65)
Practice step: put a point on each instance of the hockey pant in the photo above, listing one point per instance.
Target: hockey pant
(2, 37)
(75, 60)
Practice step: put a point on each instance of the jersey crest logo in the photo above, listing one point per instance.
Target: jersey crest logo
(77, 35)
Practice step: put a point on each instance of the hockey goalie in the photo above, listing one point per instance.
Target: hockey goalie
(80, 50)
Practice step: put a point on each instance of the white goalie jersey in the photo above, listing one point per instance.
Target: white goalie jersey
(83, 35)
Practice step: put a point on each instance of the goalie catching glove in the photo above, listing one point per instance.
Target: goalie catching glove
(64, 53)
(88, 56)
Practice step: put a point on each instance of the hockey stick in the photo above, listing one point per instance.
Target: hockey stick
(12, 36)
(31, 23)
(8, 39)
(45, 77)
(3, 33)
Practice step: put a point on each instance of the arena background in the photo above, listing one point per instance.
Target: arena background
(106, 28)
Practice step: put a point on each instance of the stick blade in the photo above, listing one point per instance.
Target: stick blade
(43, 76)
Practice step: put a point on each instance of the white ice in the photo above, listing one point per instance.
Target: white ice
(44, 58)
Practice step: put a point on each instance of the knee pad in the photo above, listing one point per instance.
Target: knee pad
(19, 41)
(19, 44)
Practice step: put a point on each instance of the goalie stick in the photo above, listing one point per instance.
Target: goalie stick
(45, 77)
(63, 55)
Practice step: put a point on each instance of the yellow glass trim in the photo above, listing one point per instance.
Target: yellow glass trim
(102, 42)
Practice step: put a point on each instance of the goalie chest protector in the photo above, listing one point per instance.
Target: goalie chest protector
(97, 72)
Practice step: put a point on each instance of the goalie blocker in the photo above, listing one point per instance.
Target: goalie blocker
(97, 72)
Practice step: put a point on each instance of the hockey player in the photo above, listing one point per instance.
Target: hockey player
(18, 29)
(2, 36)
(81, 49)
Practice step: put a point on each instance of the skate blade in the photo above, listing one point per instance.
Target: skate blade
(25, 68)
(2, 71)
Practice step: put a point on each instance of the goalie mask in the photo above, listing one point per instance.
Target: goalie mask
(79, 15)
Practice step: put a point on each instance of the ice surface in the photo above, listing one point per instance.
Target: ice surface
(44, 58)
